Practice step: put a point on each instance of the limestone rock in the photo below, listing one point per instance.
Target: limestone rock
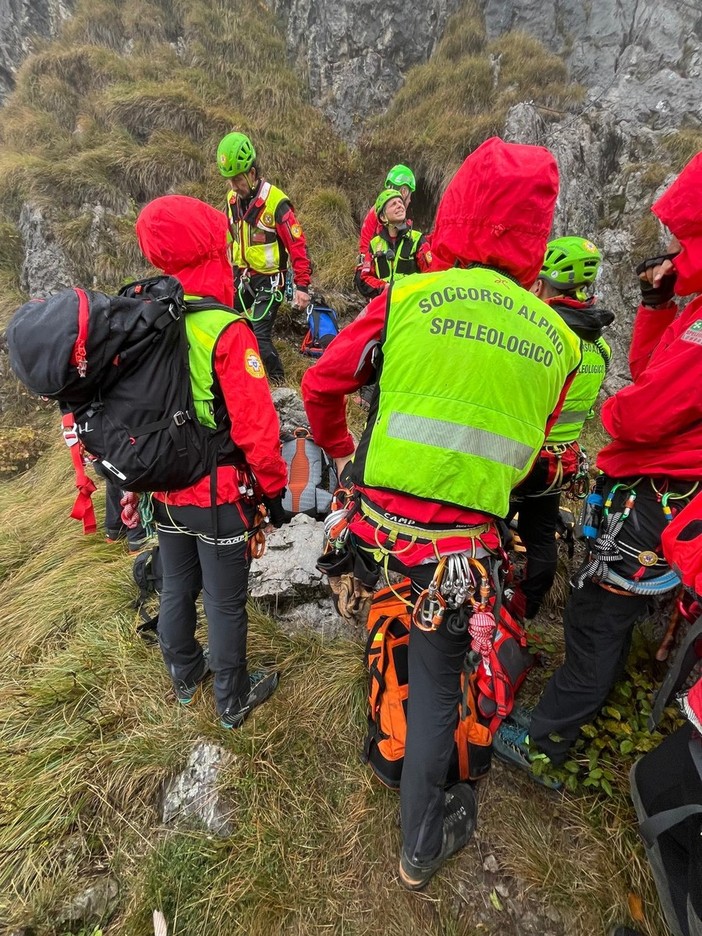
(287, 570)
(291, 412)
(192, 795)
(45, 269)
(96, 903)
(21, 22)
(318, 617)
(356, 53)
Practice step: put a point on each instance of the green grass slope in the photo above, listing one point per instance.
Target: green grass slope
(89, 733)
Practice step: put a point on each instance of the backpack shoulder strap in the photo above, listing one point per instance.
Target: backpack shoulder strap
(209, 305)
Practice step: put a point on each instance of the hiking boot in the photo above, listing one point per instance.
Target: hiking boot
(460, 811)
(511, 745)
(136, 546)
(521, 716)
(115, 536)
(184, 692)
(262, 685)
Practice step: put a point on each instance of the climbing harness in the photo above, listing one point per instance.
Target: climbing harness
(608, 548)
(274, 291)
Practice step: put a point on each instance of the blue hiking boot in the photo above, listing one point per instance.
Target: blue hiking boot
(511, 745)
(185, 691)
(262, 685)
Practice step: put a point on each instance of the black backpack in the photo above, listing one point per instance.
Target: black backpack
(118, 367)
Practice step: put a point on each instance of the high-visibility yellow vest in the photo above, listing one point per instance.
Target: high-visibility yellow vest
(582, 395)
(203, 329)
(472, 367)
(392, 262)
(254, 242)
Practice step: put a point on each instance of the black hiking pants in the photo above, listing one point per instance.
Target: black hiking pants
(598, 625)
(260, 301)
(192, 564)
(536, 525)
(435, 663)
(668, 778)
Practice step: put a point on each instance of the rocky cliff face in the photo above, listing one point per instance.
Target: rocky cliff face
(642, 64)
(21, 22)
(356, 53)
(640, 58)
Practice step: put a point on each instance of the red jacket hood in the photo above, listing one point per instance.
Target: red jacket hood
(498, 209)
(187, 238)
(680, 209)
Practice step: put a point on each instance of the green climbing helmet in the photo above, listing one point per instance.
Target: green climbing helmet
(400, 175)
(235, 154)
(385, 196)
(571, 264)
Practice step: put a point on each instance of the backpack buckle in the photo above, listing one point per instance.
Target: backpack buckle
(181, 417)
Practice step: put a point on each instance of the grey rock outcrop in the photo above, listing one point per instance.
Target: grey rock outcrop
(45, 268)
(356, 53)
(291, 412)
(95, 904)
(192, 795)
(642, 58)
(287, 570)
(22, 21)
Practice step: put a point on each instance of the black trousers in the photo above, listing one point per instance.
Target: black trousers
(598, 626)
(191, 564)
(667, 778)
(260, 301)
(435, 663)
(536, 525)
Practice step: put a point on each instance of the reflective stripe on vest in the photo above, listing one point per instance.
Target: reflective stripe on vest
(583, 392)
(399, 266)
(203, 330)
(472, 367)
(255, 246)
(457, 438)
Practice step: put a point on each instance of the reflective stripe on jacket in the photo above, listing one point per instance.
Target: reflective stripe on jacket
(435, 433)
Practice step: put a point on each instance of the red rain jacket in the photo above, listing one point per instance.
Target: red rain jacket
(656, 422)
(476, 222)
(187, 238)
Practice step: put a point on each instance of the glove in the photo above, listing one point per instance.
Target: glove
(656, 295)
(352, 600)
(275, 509)
(130, 512)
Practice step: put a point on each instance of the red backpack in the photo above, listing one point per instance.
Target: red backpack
(500, 678)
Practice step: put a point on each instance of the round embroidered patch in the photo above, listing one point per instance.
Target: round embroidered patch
(295, 230)
(268, 219)
(253, 363)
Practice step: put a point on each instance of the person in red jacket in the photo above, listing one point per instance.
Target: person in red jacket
(401, 178)
(447, 437)
(397, 250)
(204, 546)
(652, 467)
(266, 238)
